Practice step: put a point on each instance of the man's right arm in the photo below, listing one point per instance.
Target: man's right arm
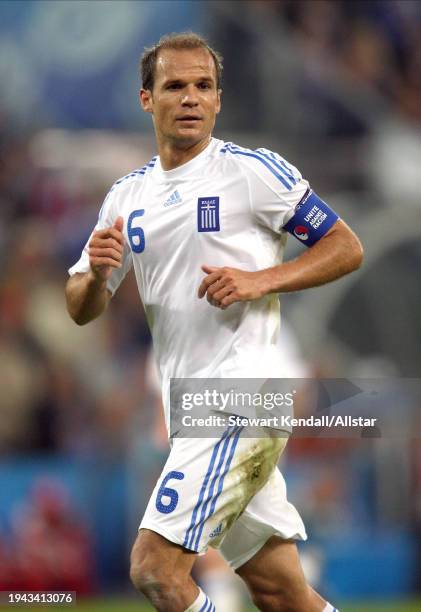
(87, 297)
(87, 294)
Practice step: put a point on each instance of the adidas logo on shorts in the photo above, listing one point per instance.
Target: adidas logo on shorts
(216, 532)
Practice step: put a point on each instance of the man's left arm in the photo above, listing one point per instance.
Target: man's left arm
(338, 253)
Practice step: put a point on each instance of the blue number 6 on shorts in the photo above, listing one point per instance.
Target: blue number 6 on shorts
(167, 492)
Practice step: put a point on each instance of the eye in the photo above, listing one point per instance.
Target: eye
(174, 86)
(204, 85)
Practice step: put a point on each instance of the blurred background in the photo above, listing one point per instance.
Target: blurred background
(332, 85)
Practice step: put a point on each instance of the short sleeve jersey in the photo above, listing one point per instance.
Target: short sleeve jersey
(226, 207)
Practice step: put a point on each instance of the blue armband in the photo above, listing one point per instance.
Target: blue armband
(312, 219)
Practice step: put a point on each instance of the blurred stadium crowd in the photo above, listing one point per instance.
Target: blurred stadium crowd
(373, 44)
(60, 383)
(81, 393)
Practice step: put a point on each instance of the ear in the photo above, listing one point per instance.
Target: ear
(218, 104)
(146, 102)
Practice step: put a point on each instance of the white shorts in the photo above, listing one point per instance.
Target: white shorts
(226, 493)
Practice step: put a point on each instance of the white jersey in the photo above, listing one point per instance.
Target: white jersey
(225, 207)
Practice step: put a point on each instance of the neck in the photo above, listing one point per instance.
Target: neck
(174, 155)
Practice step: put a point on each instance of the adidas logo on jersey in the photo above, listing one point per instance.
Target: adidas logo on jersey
(175, 198)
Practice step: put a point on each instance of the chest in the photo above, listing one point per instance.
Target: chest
(197, 214)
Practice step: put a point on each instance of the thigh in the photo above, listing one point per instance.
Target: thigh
(269, 513)
(206, 484)
(183, 503)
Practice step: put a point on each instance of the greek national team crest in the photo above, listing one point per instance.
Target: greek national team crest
(208, 214)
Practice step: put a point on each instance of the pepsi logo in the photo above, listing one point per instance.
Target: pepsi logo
(301, 232)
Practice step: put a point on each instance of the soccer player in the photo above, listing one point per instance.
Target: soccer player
(204, 225)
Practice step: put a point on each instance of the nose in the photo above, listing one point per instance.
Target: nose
(189, 97)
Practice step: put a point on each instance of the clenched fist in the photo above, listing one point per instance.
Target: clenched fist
(106, 250)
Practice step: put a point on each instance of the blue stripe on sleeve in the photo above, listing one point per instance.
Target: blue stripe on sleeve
(280, 164)
(264, 159)
(140, 172)
(203, 608)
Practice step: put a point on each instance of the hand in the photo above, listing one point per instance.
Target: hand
(224, 286)
(106, 250)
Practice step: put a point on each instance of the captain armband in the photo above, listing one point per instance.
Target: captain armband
(312, 219)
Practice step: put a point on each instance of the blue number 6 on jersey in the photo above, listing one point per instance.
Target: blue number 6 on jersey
(167, 492)
(136, 234)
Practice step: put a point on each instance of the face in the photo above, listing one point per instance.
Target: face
(184, 101)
